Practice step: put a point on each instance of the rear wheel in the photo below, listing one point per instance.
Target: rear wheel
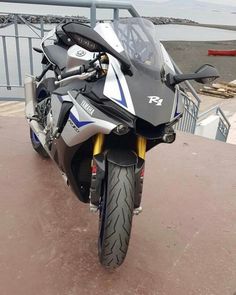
(37, 146)
(116, 215)
(43, 91)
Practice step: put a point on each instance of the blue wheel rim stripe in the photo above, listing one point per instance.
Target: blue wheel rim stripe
(35, 138)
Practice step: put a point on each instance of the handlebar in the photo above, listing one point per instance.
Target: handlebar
(80, 71)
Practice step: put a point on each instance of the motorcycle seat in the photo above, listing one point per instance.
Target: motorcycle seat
(56, 55)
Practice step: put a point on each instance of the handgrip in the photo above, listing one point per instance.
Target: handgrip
(80, 71)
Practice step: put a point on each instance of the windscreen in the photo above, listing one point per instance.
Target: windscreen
(140, 41)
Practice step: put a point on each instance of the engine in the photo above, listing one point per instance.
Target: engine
(43, 110)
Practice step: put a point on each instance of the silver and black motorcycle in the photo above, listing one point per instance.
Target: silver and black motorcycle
(113, 96)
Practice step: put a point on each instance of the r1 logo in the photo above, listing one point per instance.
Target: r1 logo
(156, 99)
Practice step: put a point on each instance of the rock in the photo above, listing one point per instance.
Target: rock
(54, 19)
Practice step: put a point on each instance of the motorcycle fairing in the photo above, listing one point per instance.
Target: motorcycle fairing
(169, 67)
(116, 87)
(134, 93)
(85, 120)
(146, 92)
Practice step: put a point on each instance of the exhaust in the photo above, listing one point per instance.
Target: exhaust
(30, 113)
(30, 97)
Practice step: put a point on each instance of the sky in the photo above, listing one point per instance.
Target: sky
(203, 11)
(225, 2)
(220, 2)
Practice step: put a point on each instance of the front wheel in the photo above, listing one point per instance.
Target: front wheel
(116, 215)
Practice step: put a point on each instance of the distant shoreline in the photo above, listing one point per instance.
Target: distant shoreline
(211, 26)
(6, 20)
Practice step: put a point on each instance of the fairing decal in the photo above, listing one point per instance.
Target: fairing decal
(178, 105)
(82, 125)
(122, 100)
(116, 87)
(78, 123)
(167, 59)
(175, 106)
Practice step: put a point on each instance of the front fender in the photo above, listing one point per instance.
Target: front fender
(122, 158)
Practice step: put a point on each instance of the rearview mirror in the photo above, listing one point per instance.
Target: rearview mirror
(205, 74)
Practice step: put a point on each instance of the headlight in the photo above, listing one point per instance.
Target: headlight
(121, 129)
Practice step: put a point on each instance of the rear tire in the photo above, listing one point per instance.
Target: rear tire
(37, 146)
(116, 215)
(43, 91)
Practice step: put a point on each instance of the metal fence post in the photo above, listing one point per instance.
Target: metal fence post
(17, 49)
(116, 14)
(31, 56)
(6, 62)
(18, 35)
(93, 15)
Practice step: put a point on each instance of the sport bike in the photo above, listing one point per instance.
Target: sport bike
(111, 94)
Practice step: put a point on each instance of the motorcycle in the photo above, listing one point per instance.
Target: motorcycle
(113, 96)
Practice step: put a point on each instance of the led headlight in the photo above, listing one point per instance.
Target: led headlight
(121, 129)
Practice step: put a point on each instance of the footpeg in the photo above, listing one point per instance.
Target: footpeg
(138, 211)
(93, 208)
(65, 178)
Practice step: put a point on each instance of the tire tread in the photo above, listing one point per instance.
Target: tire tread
(119, 215)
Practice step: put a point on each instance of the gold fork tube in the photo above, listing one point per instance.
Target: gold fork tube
(98, 144)
(141, 147)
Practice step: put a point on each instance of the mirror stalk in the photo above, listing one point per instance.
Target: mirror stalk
(205, 74)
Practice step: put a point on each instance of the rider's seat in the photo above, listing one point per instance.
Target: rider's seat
(56, 55)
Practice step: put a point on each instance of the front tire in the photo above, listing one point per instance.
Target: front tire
(116, 215)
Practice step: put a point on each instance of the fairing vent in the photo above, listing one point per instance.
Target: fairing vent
(149, 131)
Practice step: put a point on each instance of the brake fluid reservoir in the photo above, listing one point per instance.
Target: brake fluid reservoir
(77, 56)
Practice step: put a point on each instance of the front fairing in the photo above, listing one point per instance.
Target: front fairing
(153, 100)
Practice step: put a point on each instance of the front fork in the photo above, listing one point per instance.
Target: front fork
(98, 172)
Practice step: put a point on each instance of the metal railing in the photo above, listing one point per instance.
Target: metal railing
(34, 35)
(92, 4)
(18, 41)
(190, 115)
(188, 122)
(223, 126)
(13, 43)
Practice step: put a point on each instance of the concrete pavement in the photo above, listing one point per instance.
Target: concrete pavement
(184, 242)
(12, 108)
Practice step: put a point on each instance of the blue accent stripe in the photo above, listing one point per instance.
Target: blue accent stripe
(35, 138)
(177, 104)
(60, 98)
(123, 100)
(78, 123)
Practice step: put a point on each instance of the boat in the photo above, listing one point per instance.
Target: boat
(231, 52)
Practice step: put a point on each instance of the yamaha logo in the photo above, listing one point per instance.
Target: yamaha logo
(81, 53)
